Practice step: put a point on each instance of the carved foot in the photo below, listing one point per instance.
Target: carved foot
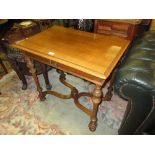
(24, 87)
(92, 125)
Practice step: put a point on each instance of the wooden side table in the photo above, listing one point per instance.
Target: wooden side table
(86, 55)
(122, 28)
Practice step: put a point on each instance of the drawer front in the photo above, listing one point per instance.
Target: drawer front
(53, 63)
(119, 29)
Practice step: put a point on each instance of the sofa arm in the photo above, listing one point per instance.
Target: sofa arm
(139, 106)
(135, 81)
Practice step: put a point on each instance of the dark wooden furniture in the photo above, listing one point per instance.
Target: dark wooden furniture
(79, 24)
(3, 66)
(123, 28)
(18, 32)
(43, 23)
(86, 55)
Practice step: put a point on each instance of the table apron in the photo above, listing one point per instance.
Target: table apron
(67, 69)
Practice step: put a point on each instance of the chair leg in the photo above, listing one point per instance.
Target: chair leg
(19, 73)
(2, 64)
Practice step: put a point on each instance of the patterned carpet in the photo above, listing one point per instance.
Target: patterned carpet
(22, 113)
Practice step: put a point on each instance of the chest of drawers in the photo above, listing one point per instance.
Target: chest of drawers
(122, 28)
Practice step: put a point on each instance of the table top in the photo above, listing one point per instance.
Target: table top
(94, 54)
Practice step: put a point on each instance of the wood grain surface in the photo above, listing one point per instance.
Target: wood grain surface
(94, 54)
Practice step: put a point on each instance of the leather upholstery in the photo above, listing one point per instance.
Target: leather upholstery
(135, 81)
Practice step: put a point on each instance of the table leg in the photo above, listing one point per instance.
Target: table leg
(96, 98)
(32, 70)
(109, 93)
(45, 75)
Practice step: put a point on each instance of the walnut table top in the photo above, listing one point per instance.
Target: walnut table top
(86, 55)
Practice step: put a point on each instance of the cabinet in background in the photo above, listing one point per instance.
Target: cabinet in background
(126, 28)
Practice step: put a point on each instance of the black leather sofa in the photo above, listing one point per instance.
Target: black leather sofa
(135, 82)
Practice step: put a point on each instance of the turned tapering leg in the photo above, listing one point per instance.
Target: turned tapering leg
(32, 70)
(96, 98)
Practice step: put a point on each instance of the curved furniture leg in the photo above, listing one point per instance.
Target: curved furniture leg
(32, 70)
(96, 98)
